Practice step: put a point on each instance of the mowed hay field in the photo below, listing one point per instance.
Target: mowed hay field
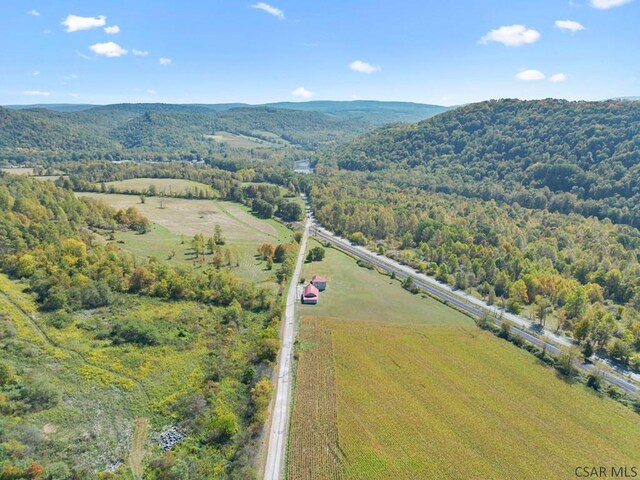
(164, 186)
(391, 385)
(357, 293)
(379, 401)
(175, 225)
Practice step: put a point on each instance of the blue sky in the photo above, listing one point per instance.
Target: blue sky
(215, 51)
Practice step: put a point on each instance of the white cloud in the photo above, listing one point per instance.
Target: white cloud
(36, 73)
(33, 13)
(558, 77)
(74, 95)
(364, 67)
(271, 10)
(35, 93)
(108, 49)
(530, 75)
(303, 93)
(165, 61)
(606, 4)
(140, 53)
(86, 57)
(72, 76)
(151, 92)
(75, 23)
(569, 25)
(47, 31)
(112, 30)
(511, 36)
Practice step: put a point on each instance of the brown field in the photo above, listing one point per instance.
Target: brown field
(313, 447)
(420, 401)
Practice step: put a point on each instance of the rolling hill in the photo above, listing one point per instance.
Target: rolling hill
(376, 113)
(566, 156)
(164, 128)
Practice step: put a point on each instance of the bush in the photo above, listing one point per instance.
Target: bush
(39, 395)
(60, 319)
(316, 254)
(513, 306)
(410, 285)
(594, 381)
(7, 374)
(58, 471)
(130, 331)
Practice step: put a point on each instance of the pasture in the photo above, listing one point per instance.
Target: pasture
(376, 400)
(358, 294)
(235, 140)
(162, 186)
(28, 171)
(175, 225)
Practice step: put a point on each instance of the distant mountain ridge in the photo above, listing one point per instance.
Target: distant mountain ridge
(373, 112)
(62, 130)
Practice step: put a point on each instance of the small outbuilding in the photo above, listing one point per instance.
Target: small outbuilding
(310, 295)
(319, 282)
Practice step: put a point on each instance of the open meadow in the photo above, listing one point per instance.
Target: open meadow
(392, 385)
(357, 293)
(162, 186)
(173, 227)
(236, 140)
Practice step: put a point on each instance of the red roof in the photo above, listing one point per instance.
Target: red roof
(317, 278)
(310, 290)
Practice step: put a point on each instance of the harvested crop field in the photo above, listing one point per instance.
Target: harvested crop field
(416, 401)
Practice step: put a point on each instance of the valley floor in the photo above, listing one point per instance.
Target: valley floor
(382, 395)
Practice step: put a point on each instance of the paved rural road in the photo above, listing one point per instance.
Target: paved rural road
(278, 434)
(477, 307)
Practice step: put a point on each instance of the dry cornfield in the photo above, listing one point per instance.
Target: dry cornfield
(413, 401)
(313, 443)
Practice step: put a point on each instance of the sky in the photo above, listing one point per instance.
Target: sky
(222, 51)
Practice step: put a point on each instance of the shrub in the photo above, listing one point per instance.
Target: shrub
(60, 319)
(594, 381)
(130, 331)
(7, 374)
(39, 395)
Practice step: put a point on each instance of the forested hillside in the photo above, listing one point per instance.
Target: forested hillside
(129, 131)
(565, 156)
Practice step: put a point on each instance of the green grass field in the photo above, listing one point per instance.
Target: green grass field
(173, 227)
(234, 140)
(164, 186)
(392, 385)
(357, 293)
